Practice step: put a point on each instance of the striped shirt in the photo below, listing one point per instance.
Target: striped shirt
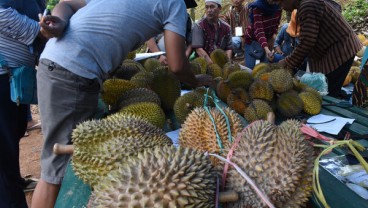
(263, 28)
(237, 19)
(326, 39)
(17, 33)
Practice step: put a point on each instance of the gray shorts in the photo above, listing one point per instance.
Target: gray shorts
(64, 99)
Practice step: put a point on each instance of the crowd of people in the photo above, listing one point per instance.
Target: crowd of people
(86, 39)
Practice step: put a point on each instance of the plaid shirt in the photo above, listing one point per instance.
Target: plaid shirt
(204, 36)
(235, 19)
(263, 28)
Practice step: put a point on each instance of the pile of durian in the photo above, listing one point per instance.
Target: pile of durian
(128, 160)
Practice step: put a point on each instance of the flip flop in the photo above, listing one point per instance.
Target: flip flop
(26, 134)
(30, 184)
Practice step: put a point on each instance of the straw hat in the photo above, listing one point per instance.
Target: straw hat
(292, 29)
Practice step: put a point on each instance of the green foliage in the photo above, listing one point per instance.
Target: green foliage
(355, 9)
(51, 4)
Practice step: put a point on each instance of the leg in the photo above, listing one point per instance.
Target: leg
(65, 100)
(13, 123)
(336, 78)
(249, 61)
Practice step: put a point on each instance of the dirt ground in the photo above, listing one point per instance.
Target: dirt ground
(30, 152)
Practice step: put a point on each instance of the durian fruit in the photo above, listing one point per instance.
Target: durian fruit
(143, 79)
(314, 92)
(202, 62)
(195, 68)
(223, 90)
(214, 70)
(101, 146)
(260, 68)
(278, 160)
(131, 55)
(166, 86)
(289, 104)
(127, 69)
(198, 131)
(160, 177)
(241, 79)
(281, 80)
(261, 90)
(137, 95)
(149, 111)
(229, 68)
(238, 100)
(112, 89)
(298, 86)
(312, 105)
(257, 109)
(264, 76)
(354, 72)
(186, 103)
(219, 57)
(151, 64)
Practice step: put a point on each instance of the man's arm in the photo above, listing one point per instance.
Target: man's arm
(18, 26)
(54, 25)
(202, 53)
(178, 63)
(152, 46)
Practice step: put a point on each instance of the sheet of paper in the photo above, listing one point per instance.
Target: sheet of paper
(328, 124)
(142, 56)
(174, 136)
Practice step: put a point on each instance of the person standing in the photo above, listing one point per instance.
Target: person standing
(264, 21)
(237, 18)
(88, 40)
(19, 46)
(211, 33)
(326, 40)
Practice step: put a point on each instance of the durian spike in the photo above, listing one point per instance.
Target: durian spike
(228, 196)
(61, 149)
(271, 117)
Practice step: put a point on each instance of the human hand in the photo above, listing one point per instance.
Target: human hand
(282, 63)
(278, 50)
(269, 54)
(205, 80)
(163, 60)
(52, 26)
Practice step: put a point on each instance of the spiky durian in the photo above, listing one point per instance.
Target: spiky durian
(312, 104)
(137, 95)
(289, 104)
(202, 62)
(151, 64)
(112, 89)
(214, 70)
(256, 110)
(161, 177)
(241, 79)
(219, 57)
(143, 79)
(195, 67)
(186, 103)
(127, 69)
(131, 54)
(149, 111)
(260, 89)
(259, 69)
(298, 86)
(276, 159)
(229, 68)
(238, 100)
(198, 131)
(101, 146)
(314, 92)
(167, 86)
(281, 80)
(223, 90)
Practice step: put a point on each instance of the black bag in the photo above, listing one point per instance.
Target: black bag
(256, 50)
